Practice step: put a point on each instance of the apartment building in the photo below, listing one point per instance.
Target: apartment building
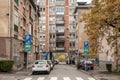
(81, 36)
(17, 19)
(58, 25)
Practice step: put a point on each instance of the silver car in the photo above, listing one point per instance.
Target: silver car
(41, 66)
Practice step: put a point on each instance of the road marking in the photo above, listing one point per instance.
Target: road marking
(41, 78)
(66, 78)
(27, 78)
(91, 78)
(79, 78)
(53, 78)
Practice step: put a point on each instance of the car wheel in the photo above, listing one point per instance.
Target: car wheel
(33, 73)
(92, 68)
(48, 72)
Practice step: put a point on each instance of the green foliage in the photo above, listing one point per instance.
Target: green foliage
(6, 65)
(104, 15)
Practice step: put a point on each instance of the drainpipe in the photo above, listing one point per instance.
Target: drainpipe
(10, 27)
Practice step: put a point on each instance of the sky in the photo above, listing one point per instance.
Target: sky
(88, 1)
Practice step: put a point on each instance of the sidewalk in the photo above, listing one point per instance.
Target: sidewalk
(99, 75)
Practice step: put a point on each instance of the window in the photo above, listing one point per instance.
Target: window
(16, 1)
(52, 18)
(52, 27)
(52, 1)
(16, 17)
(71, 27)
(71, 9)
(60, 2)
(52, 9)
(43, 9)
(71, 18)
(29, 10)
(71, 1)
(16, 20)
(72, 35)
(60, 10)
(60, 28)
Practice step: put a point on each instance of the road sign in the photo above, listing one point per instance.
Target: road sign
(27, 43)
(86, 47)
(27, 38)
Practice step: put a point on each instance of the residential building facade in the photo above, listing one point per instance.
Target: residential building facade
(18, 18)
(81, 36)
(58, 25)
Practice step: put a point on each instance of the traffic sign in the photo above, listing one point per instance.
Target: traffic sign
(86, 47)
(27, 38)
(27, 43)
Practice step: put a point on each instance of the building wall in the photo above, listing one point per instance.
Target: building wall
(4, 18)
(20, 25)
(80, 29)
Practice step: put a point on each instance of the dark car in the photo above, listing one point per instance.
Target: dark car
(79, 65)
(89, 64)
(56, 61)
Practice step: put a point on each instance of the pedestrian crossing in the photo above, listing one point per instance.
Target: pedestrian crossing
(56, 78)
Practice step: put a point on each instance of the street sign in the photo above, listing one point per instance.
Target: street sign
(28, 38)
(27, 46)
(86, 47)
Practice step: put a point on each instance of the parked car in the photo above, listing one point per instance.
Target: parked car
(41, 66)
(79, 65)
(56, 61)
(89, 63)
(51, 64)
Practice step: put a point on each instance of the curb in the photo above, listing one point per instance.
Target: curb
(86, 73)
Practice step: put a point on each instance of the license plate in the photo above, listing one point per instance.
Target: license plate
(39, 66)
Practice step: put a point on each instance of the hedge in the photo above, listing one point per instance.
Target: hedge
(6, 65)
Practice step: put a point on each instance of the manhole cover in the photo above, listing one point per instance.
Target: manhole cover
(103, 79)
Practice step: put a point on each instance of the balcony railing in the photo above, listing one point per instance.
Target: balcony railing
(60, 22)
(60, 49)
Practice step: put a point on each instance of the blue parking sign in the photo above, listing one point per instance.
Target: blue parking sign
(27, 38)
(86, 47)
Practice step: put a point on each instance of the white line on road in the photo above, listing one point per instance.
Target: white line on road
(53, 78)
(66, 78)
(79, 78)
(41, 78)
(91, 78)
(27, 78)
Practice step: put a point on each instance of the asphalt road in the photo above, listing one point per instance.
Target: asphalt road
(59, 72)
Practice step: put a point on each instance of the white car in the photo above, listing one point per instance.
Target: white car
(41, 66)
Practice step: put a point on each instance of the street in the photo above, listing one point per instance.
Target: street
(60, 72)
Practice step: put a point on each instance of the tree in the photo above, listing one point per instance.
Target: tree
(104, 15)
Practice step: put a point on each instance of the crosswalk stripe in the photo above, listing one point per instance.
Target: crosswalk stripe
(41, 78)
(53, 78)
(91, 78)
(79, 78)
(66, 78)
(27, 78)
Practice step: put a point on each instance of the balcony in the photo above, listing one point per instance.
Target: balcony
(52, 40)
(60, 40)
(59, 31)
(60, 22)
(60, 49)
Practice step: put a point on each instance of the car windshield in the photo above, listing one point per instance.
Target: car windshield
(40, 62)
(88, 62)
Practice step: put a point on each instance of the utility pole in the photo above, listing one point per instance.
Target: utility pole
(117, 66)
